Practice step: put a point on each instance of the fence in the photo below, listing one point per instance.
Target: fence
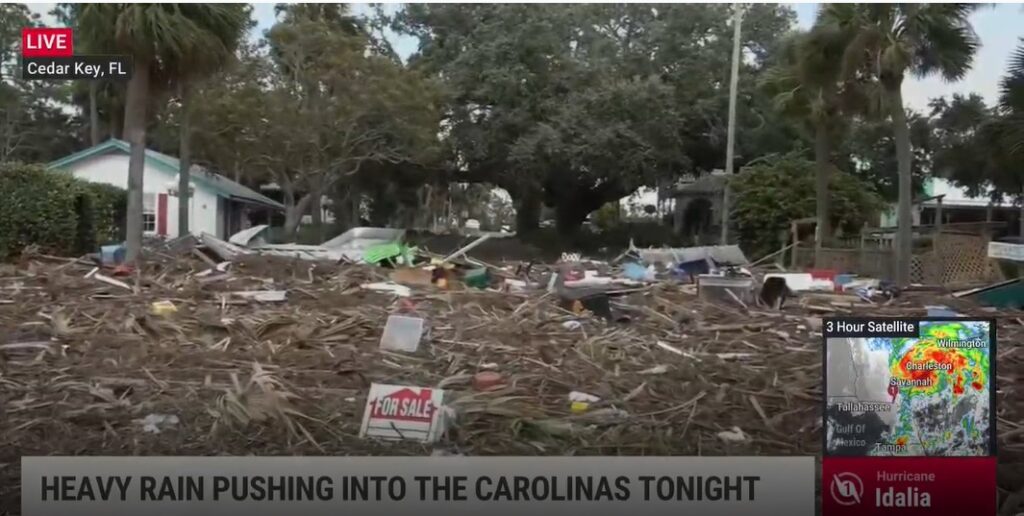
(948, 255)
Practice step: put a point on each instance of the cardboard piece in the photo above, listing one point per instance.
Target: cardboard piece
(402, 333)
(579, 300)
(399, 412)
(411, 276)
(263, 296)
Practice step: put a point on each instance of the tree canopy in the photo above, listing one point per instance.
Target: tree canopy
(565, 106)
(578, 105)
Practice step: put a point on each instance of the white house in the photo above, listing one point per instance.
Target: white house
(218, 205)
(957, 206)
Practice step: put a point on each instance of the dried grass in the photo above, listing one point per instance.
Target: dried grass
(291, 378)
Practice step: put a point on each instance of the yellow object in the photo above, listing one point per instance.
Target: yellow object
(162, 308)
(579, 407)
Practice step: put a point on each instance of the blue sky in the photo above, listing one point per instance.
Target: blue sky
(999, 28)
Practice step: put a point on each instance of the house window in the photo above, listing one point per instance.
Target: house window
(148, 213)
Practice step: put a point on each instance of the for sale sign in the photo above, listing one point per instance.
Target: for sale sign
(403, 412)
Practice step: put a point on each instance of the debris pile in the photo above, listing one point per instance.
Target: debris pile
(198, 353)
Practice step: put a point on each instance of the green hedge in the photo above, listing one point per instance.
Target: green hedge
(58, 213)
(109, 207)
(770, 195)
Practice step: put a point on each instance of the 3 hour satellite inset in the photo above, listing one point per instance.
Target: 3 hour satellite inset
(924, 396)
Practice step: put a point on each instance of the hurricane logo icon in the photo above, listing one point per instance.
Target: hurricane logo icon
(847, 489)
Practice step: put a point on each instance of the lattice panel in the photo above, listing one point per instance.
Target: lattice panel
(954, 259)
(963, 259)
(917, 273)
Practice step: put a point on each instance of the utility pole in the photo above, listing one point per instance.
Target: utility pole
(731, 138)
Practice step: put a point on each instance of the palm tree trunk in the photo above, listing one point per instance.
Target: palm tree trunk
(316, 215)
(184, 159)
(94, 116)
(821, 161)
(528, 208)
(1020, 215)
(904, 215)
(135, 131)
(116, 118)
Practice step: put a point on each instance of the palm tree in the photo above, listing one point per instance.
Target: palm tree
(806, 87)
(890, 41)
(158, 37)
(1006, 134)
(1011, 101)
(228, 25)
(67, 15)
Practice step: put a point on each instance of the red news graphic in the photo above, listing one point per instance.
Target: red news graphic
(47, 42)
(938, 486)
(909, 417)
(49, 54)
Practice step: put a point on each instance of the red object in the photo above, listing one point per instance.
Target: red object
(46, 42)
(121, 270)
(829, 274)
(574, 275)
(487, 380)
(932, 486)
(405, 405)
(161, 214)
(893, 391)
(405, 305)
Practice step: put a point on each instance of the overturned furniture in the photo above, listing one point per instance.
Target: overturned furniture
(349, 246)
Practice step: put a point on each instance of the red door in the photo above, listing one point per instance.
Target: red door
(161, 214)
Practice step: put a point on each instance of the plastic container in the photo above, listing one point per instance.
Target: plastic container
(711, 287)
(477, 278)
(402, 333)
(111, 255)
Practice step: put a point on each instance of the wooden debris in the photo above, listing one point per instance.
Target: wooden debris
(675, 380)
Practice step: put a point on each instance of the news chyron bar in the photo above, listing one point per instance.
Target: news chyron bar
(418, 486)
(48, 54)
(909, 416)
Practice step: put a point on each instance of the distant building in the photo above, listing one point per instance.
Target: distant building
(956, 207)
(217, 205)
(697, 207)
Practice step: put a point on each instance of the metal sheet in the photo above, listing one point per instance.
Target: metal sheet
(1006, 251)
(251, 236)
(364, 237)
(226, 250)
(722, 254)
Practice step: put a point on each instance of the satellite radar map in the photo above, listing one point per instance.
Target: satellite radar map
(924, 396)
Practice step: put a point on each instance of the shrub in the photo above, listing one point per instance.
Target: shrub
(38, 208)
(109, 208)
(56, 212)
(774, 192)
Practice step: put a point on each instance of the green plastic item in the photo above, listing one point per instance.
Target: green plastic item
(394, 251)
(478, 278)
(1009, 294)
